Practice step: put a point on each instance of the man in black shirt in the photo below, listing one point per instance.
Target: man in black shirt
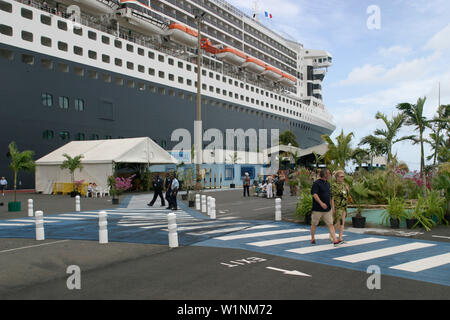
(323, 206)
(158, 187)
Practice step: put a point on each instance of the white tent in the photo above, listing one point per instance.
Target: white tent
(98, 160)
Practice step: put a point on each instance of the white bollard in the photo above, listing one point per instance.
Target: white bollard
(213, 208)
(172, 226)
(277, 209)
(208, 205)
(30, 207)
(197, 202)
(77, 204)
(204, 203)
(39, 220)
(102, 227)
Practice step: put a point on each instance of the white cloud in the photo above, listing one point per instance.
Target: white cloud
(440, 41)
(394, 51)
(364, 74)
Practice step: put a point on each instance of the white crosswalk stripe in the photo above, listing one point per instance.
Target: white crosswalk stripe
(260, 234)
(424, 264)
(374, 254)
(313, 249)
(275, 242)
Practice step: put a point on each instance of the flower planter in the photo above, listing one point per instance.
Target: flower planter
(14, 206)
(395, 223)
(359, 222)
(115, 201)
(410, 223)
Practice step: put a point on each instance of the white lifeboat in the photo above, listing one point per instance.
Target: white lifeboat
(254, 65)
(183, 35)
(232, 56)
(96, 7)
(139, 19)
(272, 73)
(288, 80)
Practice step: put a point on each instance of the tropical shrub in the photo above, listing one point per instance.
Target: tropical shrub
(394, 210)
(304, 205)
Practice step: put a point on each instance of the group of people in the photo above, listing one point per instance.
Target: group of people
(171, 185)
(265, 187)
(93, 190)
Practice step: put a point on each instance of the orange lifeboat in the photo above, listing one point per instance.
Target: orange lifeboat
(254, 65)
(232, 56)
(288, 80)
(272, 73)
(208, 47)
(183, 35)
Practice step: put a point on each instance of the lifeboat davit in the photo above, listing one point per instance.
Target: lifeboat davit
(96, 7)
(288, 80)
(183, 35)
(136, 16)
(232, 56)
(272, 73)
(254, 65)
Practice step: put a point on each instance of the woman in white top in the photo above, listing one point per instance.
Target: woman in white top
(3, 184)
(269, 187)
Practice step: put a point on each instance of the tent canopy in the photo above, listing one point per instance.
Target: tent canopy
(133, 150)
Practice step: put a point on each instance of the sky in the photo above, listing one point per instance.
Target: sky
(403, 58)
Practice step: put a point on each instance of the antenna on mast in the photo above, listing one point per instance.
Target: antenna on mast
(255, 11)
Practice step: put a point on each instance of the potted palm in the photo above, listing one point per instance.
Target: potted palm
(434, 207)
(72, 164)
(418, 216)
(394, 212)
(304, 207)
(20, 161)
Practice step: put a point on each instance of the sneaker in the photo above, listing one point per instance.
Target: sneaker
(313, 241)
(150, 205)
(337, 243)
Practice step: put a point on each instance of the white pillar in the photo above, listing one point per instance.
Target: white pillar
(213, 208)
(172, 226)
(30, 207)
(39, 220)
(208, 204)
(102, 227)
(77, 204)
(277, 209)
(197, 202)
(204, 203)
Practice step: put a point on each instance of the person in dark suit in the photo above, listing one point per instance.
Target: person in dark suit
(158, 186)
(168, 186)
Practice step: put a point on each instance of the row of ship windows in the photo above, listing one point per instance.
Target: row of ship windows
(62, 67)
(65, 136)
(63, 102)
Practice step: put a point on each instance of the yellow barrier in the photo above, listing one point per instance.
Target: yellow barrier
(67, 188)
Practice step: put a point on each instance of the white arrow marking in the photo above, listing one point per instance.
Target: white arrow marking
(293, 272)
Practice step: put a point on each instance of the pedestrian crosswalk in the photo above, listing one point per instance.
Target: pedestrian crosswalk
(403, 257)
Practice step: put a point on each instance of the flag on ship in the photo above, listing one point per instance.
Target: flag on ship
(268, 14)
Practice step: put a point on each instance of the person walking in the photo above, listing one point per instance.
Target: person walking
(323, 206)
(168, 186)
(269, 187)
(246, 184)
(158, 187)
(174, 186)
(339, 195)
(3, 185)
(279, 185)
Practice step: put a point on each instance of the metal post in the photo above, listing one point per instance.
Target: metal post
(208, 203)
(102, 227)
(39, 221)
(277, 209)
(204, 203)
(77, 204)
(197, 202)
(172, 226)
(30, 207)
(213, 208)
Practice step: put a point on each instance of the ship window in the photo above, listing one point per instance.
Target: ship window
(151, 71)
(47, 64)
(242, 97)
(161, 58)
(224, 92)
(79, 105)
(92, 74)
(230, 81)
(141, 68)
(180, 95)
(92, 35)
(130, 48)
(78, 31)
(171, 93)
(5, 6)
(230, 94)
(246, 87)
(92, 54)
(28, 59)
(236, 96)
(78, 50)
(6, 54)
(141, 86)
(81, 136)
(180, 80)
(105, 39)
(204, 86)
(180, 65)
(27, 13)
(118, 81)
(141, 51)
(151, 55)
(242, 85)
(62, 25)
(211, 75)
(118, 62)
(118, 44)
(27, 36)
(106, 77)
(217, 77)
(47, 99)
(171, 77)
(189, 82)
(190, 97)
(224, 80)
(62, 46)
(108, 137)
(204, 72)
(48, 135)
(188, 67)
(247, 99)
(130, 65)
(46, 41)
(161, 74)
(218, 90)
(95, 136)
(161, 91)
(171, 61)
(64, 102)
(152, 88)
(105, 58)
(211, 88)
(46, 20)
(78, 71)
(130, 83)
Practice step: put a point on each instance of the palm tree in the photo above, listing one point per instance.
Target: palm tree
(414, 117)
(318, 158)
(72, 164)
(360, 155)
(440, 123)
(288, 137)
(341, 151)
(20, 161)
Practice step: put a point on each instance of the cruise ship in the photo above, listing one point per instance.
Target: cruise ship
(108, 69)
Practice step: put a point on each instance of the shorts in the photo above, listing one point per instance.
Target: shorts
(339, 215)
(326, 216)
(2, 187)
